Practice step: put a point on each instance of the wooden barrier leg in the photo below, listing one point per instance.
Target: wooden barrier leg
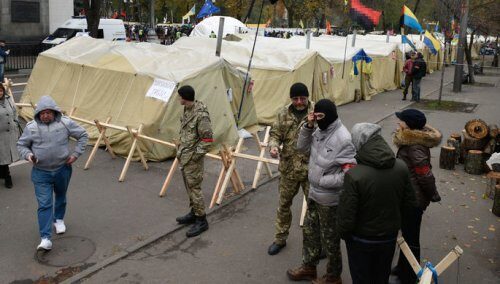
(218, 186)
(261, 155)
(129, 157)
(141, 155)
(169, 177)
(303, 213)
(405, 249)
(229, 173)
(105, 138)
(102, 134)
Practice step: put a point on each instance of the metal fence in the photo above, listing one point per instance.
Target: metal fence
(22, 55)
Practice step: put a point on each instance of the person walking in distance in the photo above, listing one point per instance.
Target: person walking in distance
(293, 164)
(419, 70)
(196, 138)
(407, 69)
(45, 143)
(9, 133)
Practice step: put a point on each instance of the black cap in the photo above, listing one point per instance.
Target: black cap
(186, 92)
(415, 119)
(299, 90)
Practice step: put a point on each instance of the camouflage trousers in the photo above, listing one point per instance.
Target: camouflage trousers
(320, 230)
(288, 188)
(192, 173)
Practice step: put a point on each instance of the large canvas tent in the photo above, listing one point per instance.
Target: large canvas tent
(211, 24)
(274, 69)
(101, 78)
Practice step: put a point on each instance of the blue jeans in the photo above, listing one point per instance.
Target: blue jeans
(415, 91)
(47, 182)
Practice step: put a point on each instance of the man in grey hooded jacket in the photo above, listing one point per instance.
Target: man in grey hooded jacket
(331, 155)
(45, 143)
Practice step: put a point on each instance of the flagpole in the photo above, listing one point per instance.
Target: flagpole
(249, 65)
(345, 51)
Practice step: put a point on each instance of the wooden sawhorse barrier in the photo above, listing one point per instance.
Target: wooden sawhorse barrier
(428, 273)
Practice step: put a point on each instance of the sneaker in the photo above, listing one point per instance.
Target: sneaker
(60, 227)
(45, 245)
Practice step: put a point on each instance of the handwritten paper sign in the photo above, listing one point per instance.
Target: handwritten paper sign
(161, 90)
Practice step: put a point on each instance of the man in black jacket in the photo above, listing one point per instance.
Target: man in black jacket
(376, 192)
(418, 72)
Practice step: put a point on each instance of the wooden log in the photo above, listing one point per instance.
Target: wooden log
(490, 146)
(452, 142)
(447, 158)
(496, 201)
(471, 143)
(456, 136)
(474, 162)
(493, 130)
(477, 128)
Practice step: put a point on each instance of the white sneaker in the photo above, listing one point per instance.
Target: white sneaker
(60, 227)
(45, 244)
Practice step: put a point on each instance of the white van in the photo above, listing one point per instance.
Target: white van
(109, 29)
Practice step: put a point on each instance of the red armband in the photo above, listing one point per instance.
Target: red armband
(346, 167)
(423, 170)
(207, 140)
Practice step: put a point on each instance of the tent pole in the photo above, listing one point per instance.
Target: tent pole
(219, 36)
(249, 65)
(345, 51)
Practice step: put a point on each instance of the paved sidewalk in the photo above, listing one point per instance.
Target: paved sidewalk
(119, 217)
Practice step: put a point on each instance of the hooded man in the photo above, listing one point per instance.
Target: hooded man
(45, 143)
(196, 137)
(331, 155)
(376, 193)
(293, 164)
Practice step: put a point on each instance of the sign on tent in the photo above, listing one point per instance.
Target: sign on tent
(161, 90)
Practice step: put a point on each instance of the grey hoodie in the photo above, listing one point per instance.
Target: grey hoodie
(50, 142)
(330, 150)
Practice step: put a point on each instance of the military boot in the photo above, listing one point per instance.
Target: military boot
(200, 226)
(189, 218)
(304, 272)
(8, 181)
(327, 279)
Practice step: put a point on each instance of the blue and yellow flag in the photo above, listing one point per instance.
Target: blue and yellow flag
(410, 20)
(431, 42)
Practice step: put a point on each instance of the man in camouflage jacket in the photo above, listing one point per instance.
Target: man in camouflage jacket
(195, 140)
(293, 164)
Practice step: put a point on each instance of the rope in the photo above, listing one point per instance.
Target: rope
(429, 265)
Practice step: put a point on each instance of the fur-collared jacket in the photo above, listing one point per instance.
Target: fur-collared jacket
(414, 148)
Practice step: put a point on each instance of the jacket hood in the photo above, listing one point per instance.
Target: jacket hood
(428, 137)
(361, 133)
(376, 153)
(46, 102)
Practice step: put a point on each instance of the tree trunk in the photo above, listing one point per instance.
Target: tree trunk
(290, 16)
(447, 158)
(471, 143)
(416, 7)
(474, 162)
(93, 15)
(468, 56)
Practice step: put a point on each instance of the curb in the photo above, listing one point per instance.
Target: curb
(155, 237)
(163, 234)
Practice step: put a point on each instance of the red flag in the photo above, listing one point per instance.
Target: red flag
(364, 16)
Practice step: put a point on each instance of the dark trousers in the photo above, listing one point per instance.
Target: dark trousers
(4, 171)
(369, 261)
(408, 82)
(410, 229)
(415, 91)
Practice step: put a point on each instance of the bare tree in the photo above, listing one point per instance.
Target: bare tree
(93, 15)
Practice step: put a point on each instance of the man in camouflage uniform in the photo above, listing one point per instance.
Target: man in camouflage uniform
(195, 140)
(293, 164)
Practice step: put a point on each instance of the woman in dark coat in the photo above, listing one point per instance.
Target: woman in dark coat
(9, 133)
(414, 139)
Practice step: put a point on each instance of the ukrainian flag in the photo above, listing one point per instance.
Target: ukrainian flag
(410, 20)
(431, 42)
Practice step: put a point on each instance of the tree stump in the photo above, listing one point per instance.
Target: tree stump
(493, 130)
(477, 128)
(496, 201)
(474, 162)
(447, 158)
(456, 136)
(452, 142)
(471, 143)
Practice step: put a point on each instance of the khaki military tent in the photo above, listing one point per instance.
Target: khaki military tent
(136, 84)
(274, 69)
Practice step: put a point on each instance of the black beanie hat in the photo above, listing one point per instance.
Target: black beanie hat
(415, 119)
(329, 109)
(186, 92)
(299, 90)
